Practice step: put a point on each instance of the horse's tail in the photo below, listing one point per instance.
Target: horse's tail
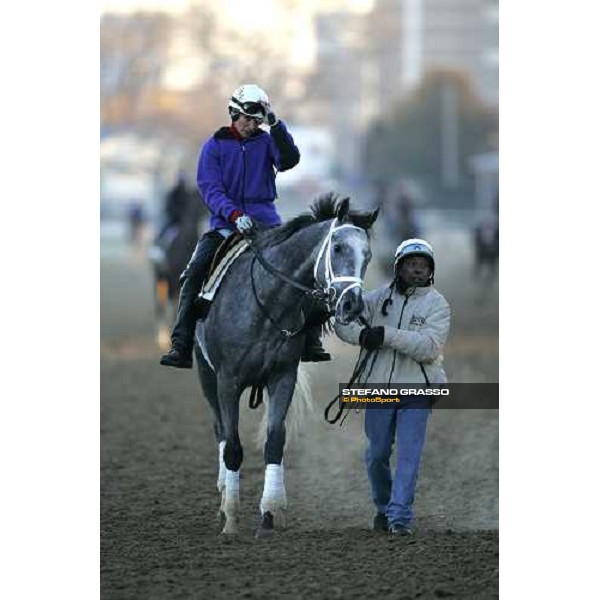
(300, 410)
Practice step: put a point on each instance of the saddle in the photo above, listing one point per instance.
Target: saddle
(226, 254)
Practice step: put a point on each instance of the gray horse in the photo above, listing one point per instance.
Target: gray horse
(253, 334)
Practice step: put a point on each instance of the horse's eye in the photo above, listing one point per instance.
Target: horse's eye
(337, 247)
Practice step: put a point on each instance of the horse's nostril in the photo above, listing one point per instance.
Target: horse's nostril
(347, 305)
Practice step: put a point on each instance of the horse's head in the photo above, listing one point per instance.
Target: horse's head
(343, 259)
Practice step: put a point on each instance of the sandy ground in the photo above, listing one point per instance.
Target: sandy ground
(160, 535)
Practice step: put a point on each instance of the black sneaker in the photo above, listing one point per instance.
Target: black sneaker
(402, 530)
(175, 357)
(380, 522)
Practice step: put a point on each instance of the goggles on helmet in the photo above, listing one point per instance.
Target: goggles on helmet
(251, 109)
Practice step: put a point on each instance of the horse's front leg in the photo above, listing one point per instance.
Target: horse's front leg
(233, 454)
(274, 500)
(208, 381)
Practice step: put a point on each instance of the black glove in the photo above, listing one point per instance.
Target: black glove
(371, 338)
(272, 119)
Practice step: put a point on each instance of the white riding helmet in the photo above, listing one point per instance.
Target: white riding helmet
(414, 247)
(250, 100)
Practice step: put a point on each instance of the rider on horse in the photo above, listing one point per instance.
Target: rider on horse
(236, 177)
(175, 205)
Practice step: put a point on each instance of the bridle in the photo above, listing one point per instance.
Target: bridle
(326, 294)
(330, 276)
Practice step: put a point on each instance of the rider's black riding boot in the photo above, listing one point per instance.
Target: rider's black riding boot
(313, 348)
(182, 338)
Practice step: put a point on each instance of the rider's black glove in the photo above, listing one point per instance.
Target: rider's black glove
(272, 119)
(371, 338)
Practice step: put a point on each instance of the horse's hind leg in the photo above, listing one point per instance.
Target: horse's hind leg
(274, 500)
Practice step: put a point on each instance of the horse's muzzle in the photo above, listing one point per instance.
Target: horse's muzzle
(350, 307)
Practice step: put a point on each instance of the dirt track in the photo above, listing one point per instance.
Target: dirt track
(160, 535)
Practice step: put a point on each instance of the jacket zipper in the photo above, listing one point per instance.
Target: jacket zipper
(402, 311)
(244, 178)
(398, 327)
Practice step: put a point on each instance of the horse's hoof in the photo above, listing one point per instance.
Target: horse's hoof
(229, 529)
(282, 516)
(266, 529)
(264, 534)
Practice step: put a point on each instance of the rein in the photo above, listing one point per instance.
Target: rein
(277, 273)
(288, 333)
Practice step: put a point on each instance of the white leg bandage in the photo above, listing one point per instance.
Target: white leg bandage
(222, 469)
(231, 506)
(273, 497)
(232, 485)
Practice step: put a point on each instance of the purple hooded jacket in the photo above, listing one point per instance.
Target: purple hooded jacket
(239, 175)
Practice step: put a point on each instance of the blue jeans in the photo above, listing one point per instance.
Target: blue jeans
(408, 426)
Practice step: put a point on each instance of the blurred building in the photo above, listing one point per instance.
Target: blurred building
(338, 96)
(409, 38)
(366, 63)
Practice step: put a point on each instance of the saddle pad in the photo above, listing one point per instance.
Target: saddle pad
(233, 239)
(211, 285)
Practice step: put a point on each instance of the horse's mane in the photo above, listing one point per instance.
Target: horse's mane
(322, 209)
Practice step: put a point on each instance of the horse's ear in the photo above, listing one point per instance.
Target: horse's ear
(343, 210)
(364, 220)
(373, 217)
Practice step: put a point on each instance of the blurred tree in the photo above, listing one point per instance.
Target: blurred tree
(133, 55)
(409, 140)
(136, 53)
(171, 75)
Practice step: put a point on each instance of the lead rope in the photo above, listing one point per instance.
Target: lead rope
(359, 368)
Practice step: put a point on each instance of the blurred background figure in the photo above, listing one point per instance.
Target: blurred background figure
(400, 218)
(407, 218)
(402, 223)
(171, 250)
(176, 207)
(137, 220)
(486, 238)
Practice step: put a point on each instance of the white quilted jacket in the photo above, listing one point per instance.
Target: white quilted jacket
(418, 338)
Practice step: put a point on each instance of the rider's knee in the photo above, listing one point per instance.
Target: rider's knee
(195, 270)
